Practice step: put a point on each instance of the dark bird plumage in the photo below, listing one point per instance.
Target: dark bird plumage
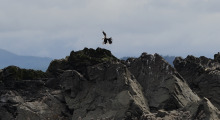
(104, 33)
(106, 40)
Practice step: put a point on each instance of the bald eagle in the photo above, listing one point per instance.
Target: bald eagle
(106, 40)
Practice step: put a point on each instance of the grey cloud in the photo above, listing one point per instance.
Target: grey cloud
(53, 27)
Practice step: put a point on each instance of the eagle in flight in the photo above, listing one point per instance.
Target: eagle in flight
(106, 40)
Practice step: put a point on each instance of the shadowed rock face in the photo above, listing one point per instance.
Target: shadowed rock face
(200, 110)
(94, 84)
(203, 110)
(111, 91)
(11, 77)
(202, 75)
(163, 86)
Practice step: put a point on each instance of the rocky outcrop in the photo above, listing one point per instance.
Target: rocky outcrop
(16, 73)
(202, 75)
(80, 60)
(111, 92)
(200, 110)
(163, 86)
(14, 106)
(23, 96)
(93, 84)
(11, 76)
(203, 110)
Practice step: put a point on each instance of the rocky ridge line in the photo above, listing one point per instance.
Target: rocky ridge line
(202, 74)
(95, 84)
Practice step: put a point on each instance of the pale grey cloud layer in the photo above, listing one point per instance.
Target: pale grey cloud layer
(53, 28)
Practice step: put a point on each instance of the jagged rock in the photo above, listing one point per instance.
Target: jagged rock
(48, 108)
(163, 86)
(57, 67)
(25, 97)
(80, 60)
(203, 110)
(72, 82)
(18, 107)
(168, 115)
(202, 74)
(93, 84)
(11, 97)
(199, 110)
(217, 57)
(111, 91)
(53, 83)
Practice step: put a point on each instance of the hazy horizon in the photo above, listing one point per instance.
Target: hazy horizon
(120, 57)
(53, 28)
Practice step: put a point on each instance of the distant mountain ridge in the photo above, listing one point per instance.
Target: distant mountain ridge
(27, 62)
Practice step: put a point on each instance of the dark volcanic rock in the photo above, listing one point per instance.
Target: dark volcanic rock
(163, 86)
(202, 75)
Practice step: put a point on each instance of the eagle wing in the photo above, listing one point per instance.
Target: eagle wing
(104, 34)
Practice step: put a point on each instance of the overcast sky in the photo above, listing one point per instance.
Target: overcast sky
(53, 28)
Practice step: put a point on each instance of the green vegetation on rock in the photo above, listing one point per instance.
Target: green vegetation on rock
(16, 73)
(79, 60)
(90, 56)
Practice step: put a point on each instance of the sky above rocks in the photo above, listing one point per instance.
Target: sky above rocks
(53, 28)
